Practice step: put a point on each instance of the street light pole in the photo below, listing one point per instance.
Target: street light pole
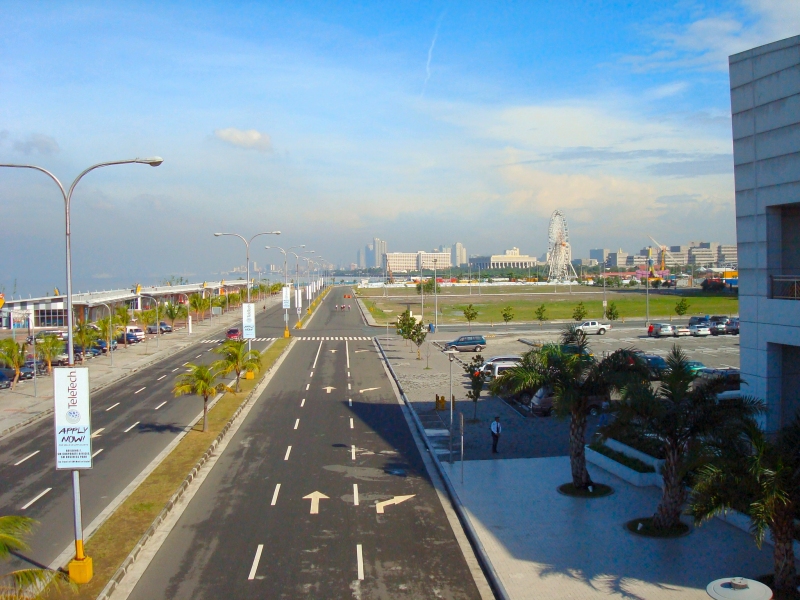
(110, 333)
(158, 322)
(285, 284)
(80, 568)
(435, 299)
(451, 352)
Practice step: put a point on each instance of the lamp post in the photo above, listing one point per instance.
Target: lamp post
(80, 568)
(110, 332)
(158, 321)
(297, 282)
(451, 354)
(435, 299)
(285, 284)
(247, 253)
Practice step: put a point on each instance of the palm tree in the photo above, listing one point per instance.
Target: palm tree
(145, 318)
(48, 348)
(236, 358)
(84, 336)
(200, 381)
(12, 355)
(576, 378)
(123, 317)
(759, 476)
(109, 328)
(681, 416)
(21, 584)
(173, 312)
(197, 304)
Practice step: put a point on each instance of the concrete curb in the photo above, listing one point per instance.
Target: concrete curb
(119, 574)
(477, 546)
(154, 359)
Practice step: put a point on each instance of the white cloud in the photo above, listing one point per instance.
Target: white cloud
(43, 144)
(250, 139)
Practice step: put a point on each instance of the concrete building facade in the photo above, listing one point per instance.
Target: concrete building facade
(400, 262)
(510, 259)
(765, 104)
(458, 254)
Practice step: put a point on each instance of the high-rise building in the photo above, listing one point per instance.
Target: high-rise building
(599, 254)
(361, 259)
(458, 254)
(378, 250)
(766, 159)
(369, 256)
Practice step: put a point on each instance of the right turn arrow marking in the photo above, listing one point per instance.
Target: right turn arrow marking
(396, 500)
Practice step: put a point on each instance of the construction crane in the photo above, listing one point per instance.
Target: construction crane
(664, 253)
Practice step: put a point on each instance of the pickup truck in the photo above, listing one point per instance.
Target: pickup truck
(597, 327)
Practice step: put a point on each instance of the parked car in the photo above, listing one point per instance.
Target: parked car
(542, 402)
(233, 334)
(498, 368)
(87, 352)
(23, 373)
(699, 329)
(102, 345)
(129, 337)
(718, 327)
(656, 365)
(663, 330)
(682, 330)
(590, 327)
(487, 366)
(695, 366)
(732, 327)
(698, 321)
(137, 331)
(465, 343)
(41, 367)
(731, 377)
(5, 382)
(164, 327)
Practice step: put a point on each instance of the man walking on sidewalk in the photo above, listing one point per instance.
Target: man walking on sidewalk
(496, 431)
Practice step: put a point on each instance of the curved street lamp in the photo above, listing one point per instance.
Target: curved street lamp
(285, 284)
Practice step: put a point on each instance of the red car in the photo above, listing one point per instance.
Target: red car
(234, 334)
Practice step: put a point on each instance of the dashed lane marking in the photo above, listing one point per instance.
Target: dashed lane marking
(160, 378)
(160, 405)
(302, 402)
(31, 455)
(353, 452)
(256, 559)
(275, 494)
(288, 452)
(26, 506)
(97, 452)
(297, 423)
(140, 390)
(131, 427)
(112, 406)
(355, 494)
(360, 561)
(351, 422)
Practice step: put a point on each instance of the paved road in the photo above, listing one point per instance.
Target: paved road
(133, 421)
(328, 423)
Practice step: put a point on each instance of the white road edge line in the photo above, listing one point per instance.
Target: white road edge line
(140, 390)
(302, 402)
(288, 451)
(31, 455)
(160, 405)
(360, 560)
(96, 453)
(160, 378)
(353, 452)
(35, 499)
(256, 559)
(314, 366)
(296, 423)
(355, 494)
(112, 406)
(347, 353)
(275, 494)
(131, 427)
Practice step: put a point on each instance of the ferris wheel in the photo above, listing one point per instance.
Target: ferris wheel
(559, 258)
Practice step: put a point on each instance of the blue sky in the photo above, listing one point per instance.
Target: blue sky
(420, 123)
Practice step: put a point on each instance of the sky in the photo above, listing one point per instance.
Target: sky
(422, 123)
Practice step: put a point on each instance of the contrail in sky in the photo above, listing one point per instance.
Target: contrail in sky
(430, 55)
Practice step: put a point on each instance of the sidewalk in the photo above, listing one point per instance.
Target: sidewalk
(543, 544)
(21, 407)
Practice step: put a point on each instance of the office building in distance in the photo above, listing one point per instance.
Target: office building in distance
(511, 259)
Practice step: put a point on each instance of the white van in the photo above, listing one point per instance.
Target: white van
(137, 331)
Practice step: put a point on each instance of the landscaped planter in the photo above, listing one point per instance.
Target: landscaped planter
(621, 471)
(656, 463)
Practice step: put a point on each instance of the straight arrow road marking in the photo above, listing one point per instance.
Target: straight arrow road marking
(368, 390)
(288, 451)
(396, 500)
(112, 406)
(275, 494)
(360, 561)
(254, 568)
(131, 427)
(35, 499)
(332, 351)
(329, 388)
(315, 497)
(355, 494)
(98, 432)
(16, 464)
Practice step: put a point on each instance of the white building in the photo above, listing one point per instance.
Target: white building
(510, 259)
(399, 262)
(458, 254)
(765, 104)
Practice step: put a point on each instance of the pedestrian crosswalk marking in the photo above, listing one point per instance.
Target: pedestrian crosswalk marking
(334, 339)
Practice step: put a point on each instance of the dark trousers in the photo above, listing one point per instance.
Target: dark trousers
(495, 439)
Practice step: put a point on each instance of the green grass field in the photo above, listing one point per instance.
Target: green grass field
(557, 306)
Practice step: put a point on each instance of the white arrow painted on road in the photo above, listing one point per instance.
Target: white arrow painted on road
(368, 390)
(315, 497)
(396, 500)
(357, 351)
(98, 432)
(334, 351)
(328, 389)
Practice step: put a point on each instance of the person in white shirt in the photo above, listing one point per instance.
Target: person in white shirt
(496, 431)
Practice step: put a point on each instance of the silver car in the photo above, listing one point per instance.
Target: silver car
(699, 329)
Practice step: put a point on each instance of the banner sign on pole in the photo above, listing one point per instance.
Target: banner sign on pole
(298, 299)
(287, 298)
(73, 418)
(248, 321)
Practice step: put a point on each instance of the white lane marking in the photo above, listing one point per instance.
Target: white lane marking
(175, 369)
(314, 366)
(275, 494)
(257, 558)
(131, 427)
(35, 499)
(312, 374)
(368, 390)
(296, 423)
(307, 386)
(350, 401)
(355, 494)
(160, 378)
(96, 453)
(302, 402)
(360, 560)
(160, 405)
(31, 455)
(351, 422)
(348, 386)
(184, 364)
(198, 356)
(112, 406)
(357, 351)
(353, 452)
(315, 497)
(140, 390)
(347, 353)
(348, 373)
(98, 432)
(288, 451)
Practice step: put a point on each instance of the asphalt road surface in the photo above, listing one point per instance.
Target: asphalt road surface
(133, 420)
(321, 493)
